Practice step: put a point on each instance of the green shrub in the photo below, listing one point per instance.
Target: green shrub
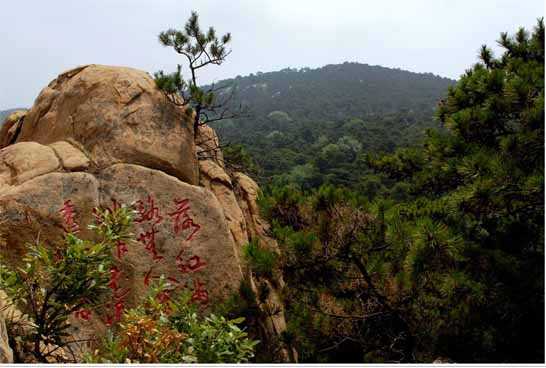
(261, 261)
(236, 157)
(57, 281)
(171, 331)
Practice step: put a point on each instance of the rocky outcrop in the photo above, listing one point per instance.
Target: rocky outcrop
(207, 238)
(167, 246)
(6, 354)
(71, 158)
(238, 196)
(117, 115)
(22, 162)
(208, 145)
(100, 136)
(11, 127)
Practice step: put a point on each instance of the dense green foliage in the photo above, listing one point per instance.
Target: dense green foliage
(172, 331)
(260, 260)
(314, 126)
(55, 282)
(441, 251)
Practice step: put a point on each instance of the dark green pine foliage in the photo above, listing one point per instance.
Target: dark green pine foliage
(447, 260)
(473, 266)
(310, 127)
(199, 49)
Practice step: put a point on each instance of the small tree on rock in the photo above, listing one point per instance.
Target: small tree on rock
(200, 49)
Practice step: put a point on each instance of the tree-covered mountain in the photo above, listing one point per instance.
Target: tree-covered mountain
(314, 126)
(341, 91)
(441, 253)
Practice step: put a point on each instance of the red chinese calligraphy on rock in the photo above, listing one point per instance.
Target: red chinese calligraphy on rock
(115, 275)
(118, 295)
(193, 264)
(147, 238)
(118, 312)
(68, 213)
(148, 277)
(83, 313)
(121, 249)
(148, 211)
(182, 220)
(200, 294)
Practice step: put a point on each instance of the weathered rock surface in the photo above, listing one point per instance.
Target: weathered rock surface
(11, 127)
(215, 178)
(102, 135)
(6, 354)
(238, 195)
(247, 193)
(21, 162)
(38, 201)
(208, 145)
(208, 238)
(31, 209)
(118, 115)
(71, 158)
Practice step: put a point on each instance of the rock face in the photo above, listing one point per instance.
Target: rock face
(238, 194)
(25, 161)
(71, 158)
(100, 136)
(206, 241)
(6, 354)
(11, 127)
(117, 115)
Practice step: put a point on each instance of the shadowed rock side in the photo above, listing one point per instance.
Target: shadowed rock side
(11, 127)
(238, 195)
(100, 135)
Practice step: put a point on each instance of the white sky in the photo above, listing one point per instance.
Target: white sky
(41, 38)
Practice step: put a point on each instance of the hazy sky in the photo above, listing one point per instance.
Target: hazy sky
(42, 38)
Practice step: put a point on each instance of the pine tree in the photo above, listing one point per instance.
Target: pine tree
(473, 267)
(200, 50)
(455, 268)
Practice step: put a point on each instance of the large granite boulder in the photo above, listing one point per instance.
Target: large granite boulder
(118, 115)
(100, 136)
(192, 241)
(24, 161)
(181, 230)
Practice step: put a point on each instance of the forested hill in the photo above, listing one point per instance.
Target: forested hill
(341, 91)
(307, 123)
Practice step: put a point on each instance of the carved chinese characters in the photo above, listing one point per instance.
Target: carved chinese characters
(148, 219)
(183, 226)
(180, 233)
